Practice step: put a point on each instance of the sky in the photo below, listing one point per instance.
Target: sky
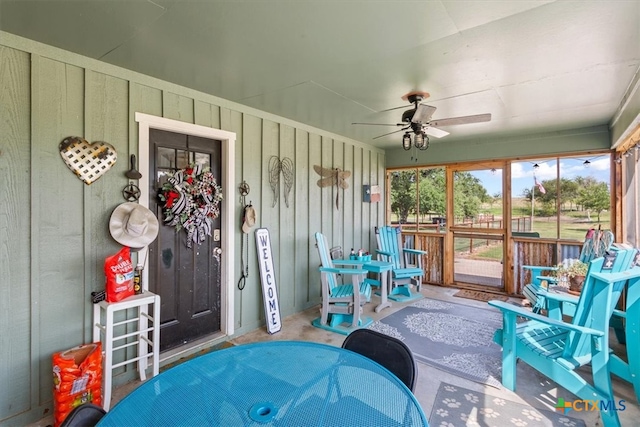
(522, 173)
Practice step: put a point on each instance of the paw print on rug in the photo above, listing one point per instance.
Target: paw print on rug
(567, 422)
(489, 413)
(532, 414)
(450, 388)
(518, 422)
(499, 402)
(473, 398)
(469, 420)
(451, 403)
(442, 412)
(446, 424)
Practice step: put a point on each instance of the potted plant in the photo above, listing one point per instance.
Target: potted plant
(574, 272)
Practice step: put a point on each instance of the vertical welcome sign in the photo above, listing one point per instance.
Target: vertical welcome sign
(268, 279)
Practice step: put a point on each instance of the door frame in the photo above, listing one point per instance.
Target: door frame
(146, 122)
(505, 232)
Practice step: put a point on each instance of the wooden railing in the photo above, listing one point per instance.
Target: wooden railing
(535, 251)
(433, 262)
(526, 251)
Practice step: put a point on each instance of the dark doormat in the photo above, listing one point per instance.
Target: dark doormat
(480, 296)
(220, 346)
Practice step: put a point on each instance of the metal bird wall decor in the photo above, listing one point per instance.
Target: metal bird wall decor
(331, 177)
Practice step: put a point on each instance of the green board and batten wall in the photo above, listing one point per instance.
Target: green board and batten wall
(54, 229)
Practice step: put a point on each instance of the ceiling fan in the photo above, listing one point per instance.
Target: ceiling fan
(419, 120)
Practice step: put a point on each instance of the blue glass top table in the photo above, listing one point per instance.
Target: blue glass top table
(285, 383)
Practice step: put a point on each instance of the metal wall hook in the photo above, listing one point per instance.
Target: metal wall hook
(244, 188)
(133, 172)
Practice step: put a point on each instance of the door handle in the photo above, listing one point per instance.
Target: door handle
(217, 251)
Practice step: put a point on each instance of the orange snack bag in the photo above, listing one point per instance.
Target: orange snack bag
(77, 379)
(119, 273)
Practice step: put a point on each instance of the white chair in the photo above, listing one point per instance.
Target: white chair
(119, 335)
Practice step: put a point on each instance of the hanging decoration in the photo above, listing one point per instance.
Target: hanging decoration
(131, 192)
(89, 161)
(191, 200)
(276, 167)
(244, 239)
(288, 174)
(331, 177)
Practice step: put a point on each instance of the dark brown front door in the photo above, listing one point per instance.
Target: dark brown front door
(187, 280)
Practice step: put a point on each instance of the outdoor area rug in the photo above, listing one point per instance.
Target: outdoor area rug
(479, 295)
(457, 406)
(455, 338)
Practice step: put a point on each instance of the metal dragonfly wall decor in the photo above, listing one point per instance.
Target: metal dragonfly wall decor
(331, 177)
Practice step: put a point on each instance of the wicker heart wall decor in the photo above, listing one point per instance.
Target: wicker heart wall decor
(89, 161)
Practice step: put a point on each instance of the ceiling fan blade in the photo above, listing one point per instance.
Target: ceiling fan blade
(395, 131)
(395, 108)
(478, 118)
(423, 113)
(435, 132)
(381, 124)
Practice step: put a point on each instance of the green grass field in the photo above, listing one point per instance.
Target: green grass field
(573, 226)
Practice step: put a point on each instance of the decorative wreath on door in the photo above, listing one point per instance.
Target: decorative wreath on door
(191, 200)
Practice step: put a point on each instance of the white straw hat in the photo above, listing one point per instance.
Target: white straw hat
(249, 218)
(133, 225)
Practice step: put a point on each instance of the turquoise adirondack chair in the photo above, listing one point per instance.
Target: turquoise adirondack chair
(595, 245)
(341, 309)
(557, 348)
(627, 323)
(407, 264)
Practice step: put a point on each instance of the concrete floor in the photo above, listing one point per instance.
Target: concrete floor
(533, 389)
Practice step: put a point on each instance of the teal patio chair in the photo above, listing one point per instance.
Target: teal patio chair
(407, 264)
(341, 309)
(596, 244)
(557, 348)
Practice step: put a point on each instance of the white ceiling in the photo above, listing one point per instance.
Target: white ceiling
(534, 65)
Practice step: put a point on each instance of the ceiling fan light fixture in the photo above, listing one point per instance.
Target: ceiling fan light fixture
(425, 145)
(406, 141)
(418, 140)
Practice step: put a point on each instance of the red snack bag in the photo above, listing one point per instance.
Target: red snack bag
(119, 272)
(77, 379)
